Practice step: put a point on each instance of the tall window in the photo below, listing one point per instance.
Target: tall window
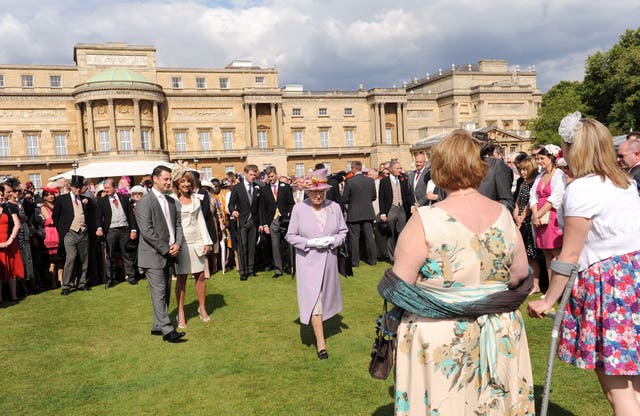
(296, 112)
(297, 139)
(224, 83)
(27, 81)
(36, 179)
(200, 83)
(105, 143)
(348, 137)
(146, 140)
(227, 139)
(322, 112)
(205, 140)
(300, 170)
(387, 136)
(4, 146)
(229, 168)
(181, 141)
(207, 172)
(328, 166)
(125, 140)
(348, 168)
(32, 145)
(348, 111)
(61, 144)
(176, 82)
(259, 80)
(1, 80)
(324, 138)
(262, 139)
(55, 81)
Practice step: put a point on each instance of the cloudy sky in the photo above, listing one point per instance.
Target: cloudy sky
(326, 44)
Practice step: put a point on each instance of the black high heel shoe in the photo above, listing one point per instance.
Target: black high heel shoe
(323, 354)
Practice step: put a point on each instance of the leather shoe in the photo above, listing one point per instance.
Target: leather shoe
(243, 278)
(173, 336)
(84, 288)
(323, 354)
(156, 332)
(277, 274)
(111, 283)
(132, 281)
(65, 292)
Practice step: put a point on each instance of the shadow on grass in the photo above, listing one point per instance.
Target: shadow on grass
(213, 303)
(332, 326)
(554, 409)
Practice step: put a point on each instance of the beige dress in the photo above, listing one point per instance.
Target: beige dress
(438, 369)
(190, 258)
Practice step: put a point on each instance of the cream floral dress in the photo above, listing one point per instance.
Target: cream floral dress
(438, 366)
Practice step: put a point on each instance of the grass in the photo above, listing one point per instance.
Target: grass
(91, 354)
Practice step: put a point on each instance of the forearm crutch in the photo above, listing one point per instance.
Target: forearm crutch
(565, 269)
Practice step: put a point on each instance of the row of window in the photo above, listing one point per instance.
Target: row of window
(33, 148)
(201, 82)
(28, 81)
(322, 112)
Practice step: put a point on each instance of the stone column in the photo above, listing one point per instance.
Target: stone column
(137, 135)
(376, 124)
(454, 115)
(274, 126)
(91, 140)
(280, 125)
(82, 146)
(404, 122)
(254, 124)
(479, 114)
(112, 125)
(155, 145)
(383, 126)
(399, 135)
(247, 125)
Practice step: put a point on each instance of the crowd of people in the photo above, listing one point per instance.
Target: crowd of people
(474, 232)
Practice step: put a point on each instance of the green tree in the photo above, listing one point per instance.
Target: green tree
(611, 86)
(562, 99)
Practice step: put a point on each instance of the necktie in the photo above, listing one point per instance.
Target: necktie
(275, 191)
(115, 202)
(75, 199)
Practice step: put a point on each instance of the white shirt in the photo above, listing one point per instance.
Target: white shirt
(164, 204)
(615, 223)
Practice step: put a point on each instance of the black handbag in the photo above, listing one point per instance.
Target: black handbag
(383, 351)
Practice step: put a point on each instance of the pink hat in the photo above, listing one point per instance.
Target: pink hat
(316, 181)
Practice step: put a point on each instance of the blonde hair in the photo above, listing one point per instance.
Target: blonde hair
(189, 177)
(592, 153)
(529, 163)
(456, 162)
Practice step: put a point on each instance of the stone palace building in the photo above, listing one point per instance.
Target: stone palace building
(116, 104)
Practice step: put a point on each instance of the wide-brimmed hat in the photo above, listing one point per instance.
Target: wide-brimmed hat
(316, 181)
(206, 184)
(77, 181)
(138, 189)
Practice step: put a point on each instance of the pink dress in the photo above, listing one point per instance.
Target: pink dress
(548, 236)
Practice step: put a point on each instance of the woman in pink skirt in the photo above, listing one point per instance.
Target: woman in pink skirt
(601, 326)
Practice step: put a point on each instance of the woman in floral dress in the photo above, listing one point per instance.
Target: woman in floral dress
(601, 326)
(460, 251)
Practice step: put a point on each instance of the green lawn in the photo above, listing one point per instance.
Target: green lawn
(91, 354)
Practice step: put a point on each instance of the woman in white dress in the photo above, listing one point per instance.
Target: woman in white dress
(191, 259)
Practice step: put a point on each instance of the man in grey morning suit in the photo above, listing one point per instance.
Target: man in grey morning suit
(161, 240)
(359, 193)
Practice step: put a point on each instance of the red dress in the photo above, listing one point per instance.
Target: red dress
(11, 266)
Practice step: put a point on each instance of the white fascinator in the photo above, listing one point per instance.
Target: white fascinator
(569, 125)
(552, 149)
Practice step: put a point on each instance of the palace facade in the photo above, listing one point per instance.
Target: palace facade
(116, 104)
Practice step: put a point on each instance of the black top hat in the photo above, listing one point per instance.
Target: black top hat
(77, 181)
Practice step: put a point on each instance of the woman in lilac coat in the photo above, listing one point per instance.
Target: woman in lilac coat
(316, 230)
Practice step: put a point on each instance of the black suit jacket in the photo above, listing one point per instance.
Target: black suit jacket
(268, 204)
(63, 215)
(239, 201)
(205, 208)
(496, 184)
(635, 174)
(359, 193)
(103, 213)
(386, 195)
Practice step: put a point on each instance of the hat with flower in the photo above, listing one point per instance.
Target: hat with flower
(316, 181)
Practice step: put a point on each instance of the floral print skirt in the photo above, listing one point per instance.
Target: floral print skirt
(438, 370)
(601, 325)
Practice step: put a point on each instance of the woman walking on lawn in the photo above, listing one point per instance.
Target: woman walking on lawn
(601, 326)
(316, 230)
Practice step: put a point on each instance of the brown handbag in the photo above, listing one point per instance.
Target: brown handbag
(383, 350)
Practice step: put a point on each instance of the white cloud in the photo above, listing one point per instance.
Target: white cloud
(329, 44)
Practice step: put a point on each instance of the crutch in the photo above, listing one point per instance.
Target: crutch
(565, 269)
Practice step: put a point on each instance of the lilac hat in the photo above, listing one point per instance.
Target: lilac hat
(316, 181)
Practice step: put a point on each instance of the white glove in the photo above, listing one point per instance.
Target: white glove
(327, 241)
(314, 243)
